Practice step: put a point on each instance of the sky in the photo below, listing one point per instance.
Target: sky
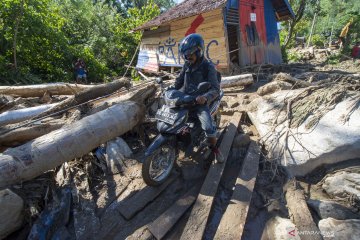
(178, 1)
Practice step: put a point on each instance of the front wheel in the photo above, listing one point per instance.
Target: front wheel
(158, 166)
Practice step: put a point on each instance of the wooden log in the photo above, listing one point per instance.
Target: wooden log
(196, 224)
(72, 141)
(22, 135)
(86, 95)
(233, 221)
(167, 220)
(237, 81)
(19, 115)
(138, 95)
(40, 89)
(299, 211)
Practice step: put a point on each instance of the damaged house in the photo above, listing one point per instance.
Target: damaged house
(240, 32)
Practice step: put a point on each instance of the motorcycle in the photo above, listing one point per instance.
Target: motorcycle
(177, 128)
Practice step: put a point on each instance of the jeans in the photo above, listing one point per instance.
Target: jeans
(203, 113)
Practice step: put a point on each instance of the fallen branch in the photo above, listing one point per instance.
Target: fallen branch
(72, 141)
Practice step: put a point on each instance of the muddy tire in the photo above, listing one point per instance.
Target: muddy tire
(158, 166)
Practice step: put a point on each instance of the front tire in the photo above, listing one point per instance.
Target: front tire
(158, 166)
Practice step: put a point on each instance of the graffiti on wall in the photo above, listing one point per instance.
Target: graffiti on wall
(166, 51)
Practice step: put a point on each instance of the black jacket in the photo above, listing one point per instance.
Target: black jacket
(191, 76)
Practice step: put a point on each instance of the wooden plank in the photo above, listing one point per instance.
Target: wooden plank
(196, 224)
(233, 221)
(160, 227)
(129, 207)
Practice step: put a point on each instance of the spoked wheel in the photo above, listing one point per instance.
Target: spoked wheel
(157, 167)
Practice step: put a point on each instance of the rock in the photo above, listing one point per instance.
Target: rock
(11, 214)
(241, 140)
(333, 229)
(342, 184)
(329, 209)
(329, 141)
(273, 87)
(278, 228)
(234, 104)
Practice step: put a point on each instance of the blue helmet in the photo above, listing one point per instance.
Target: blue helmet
(193, 43)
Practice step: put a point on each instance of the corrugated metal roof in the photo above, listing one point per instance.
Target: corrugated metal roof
(185, 9)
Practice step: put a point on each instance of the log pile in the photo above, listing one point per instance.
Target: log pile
(43, 127)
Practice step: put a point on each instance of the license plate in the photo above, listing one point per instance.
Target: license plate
(167, 117)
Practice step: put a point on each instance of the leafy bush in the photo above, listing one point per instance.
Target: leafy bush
(318, 40)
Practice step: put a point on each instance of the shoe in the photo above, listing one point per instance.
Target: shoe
(219, 158)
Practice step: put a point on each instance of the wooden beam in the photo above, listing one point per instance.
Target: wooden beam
(233, 221)
(129, 207)
(196, 224)
(167, 220)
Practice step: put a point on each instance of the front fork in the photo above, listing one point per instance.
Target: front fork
(158, 142)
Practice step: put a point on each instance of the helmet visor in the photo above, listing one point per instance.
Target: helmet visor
(188, 52)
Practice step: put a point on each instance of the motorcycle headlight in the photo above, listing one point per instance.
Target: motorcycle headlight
(170, 103)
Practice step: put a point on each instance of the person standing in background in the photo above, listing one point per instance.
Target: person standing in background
(80, 71)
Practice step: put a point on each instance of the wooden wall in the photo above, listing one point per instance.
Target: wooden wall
(159, 47)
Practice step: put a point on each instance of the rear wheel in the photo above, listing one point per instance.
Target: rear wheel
(158, 166)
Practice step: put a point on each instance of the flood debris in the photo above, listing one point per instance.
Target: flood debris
(76, 167)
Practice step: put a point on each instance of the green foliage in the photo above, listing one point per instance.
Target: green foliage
(334, 59)
(41, 39)
(318, 40)
(332, 16)
(293, 57)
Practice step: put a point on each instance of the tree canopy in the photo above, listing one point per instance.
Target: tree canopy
(41, 39)
(329, 17)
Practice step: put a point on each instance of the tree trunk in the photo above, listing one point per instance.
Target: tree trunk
(72, 141)
(84, 96)
(238, 80)
(138, 95)
(16, 30)
(40, 89)
(19, 115)
(300, 213)
(22, 135)
(292, 23)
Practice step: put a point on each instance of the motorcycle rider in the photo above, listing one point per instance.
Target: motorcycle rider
(198, 69)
